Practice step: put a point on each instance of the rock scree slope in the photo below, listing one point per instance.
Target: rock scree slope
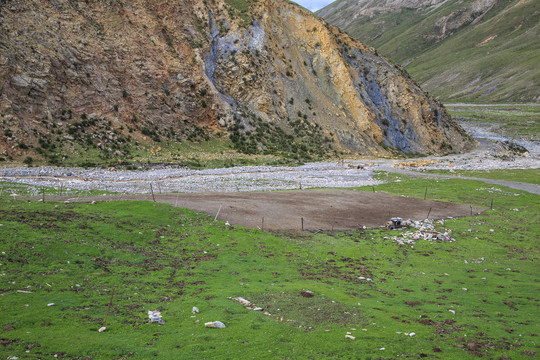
(110, 76)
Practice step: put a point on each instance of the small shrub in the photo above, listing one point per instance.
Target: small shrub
(28, 160)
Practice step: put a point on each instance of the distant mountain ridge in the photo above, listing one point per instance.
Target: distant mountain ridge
(459, 50)
(108, 77)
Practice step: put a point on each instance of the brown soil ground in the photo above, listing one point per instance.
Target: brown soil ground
(315, 209)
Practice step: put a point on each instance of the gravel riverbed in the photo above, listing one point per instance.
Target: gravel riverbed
(247, 178)
(488, 155)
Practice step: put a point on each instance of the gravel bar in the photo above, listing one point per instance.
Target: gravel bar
(489, 155)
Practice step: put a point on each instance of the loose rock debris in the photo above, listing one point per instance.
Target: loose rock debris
(249, 306)
(155, 316)
(215, 324)
(246, 303)
(425, 231)
(417, 163)
(406, 334)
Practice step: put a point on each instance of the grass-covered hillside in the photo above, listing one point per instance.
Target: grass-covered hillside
(372, 298)
(470, 51)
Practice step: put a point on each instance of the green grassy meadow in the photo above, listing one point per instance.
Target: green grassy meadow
(516, 120)
(531, 176)
(473, 297)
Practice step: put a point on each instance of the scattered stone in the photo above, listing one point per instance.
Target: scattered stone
(241, 300)
(102, 329)
(350, 337)
(394, 223)
(215, 324)
(155, 316)
(474, 261)
(195, 310)
(426, 231)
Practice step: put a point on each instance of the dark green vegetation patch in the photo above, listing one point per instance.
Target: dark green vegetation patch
(473, 297)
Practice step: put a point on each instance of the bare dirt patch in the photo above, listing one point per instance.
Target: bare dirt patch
(320, 209)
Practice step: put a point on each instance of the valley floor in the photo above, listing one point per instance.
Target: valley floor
(488, 155)
(458, 288)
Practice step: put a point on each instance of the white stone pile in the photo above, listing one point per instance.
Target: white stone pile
(425, 230)
(155, 316)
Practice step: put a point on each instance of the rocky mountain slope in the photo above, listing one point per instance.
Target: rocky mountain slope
(460, 50)
(115, 77)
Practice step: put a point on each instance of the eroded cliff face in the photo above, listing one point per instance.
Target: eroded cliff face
(110, 74)
(288, 66)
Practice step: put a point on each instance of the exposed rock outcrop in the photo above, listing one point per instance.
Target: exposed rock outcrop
(107, 74)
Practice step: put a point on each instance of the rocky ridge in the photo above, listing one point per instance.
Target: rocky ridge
(113, 76)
